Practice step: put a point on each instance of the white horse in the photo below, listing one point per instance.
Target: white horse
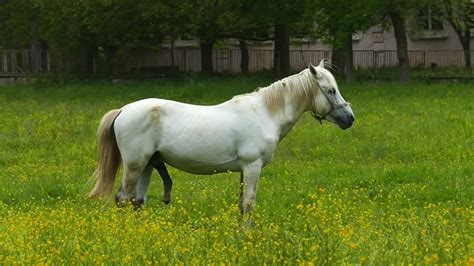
(239, 135)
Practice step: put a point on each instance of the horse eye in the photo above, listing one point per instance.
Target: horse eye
(332, 91)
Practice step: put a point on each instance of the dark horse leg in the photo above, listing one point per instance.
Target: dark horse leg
(160, 166)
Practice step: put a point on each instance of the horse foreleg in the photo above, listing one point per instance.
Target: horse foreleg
(241, 185)
(249, 178)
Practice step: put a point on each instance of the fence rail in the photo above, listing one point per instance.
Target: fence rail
(25, 62)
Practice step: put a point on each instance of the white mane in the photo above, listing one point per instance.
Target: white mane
(300, 88)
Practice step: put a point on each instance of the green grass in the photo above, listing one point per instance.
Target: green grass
(397, 187)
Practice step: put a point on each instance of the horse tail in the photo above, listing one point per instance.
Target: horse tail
(109, 156)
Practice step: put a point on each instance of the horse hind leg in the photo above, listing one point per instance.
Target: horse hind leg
(127, 190)
(160, 166)
(142, 187)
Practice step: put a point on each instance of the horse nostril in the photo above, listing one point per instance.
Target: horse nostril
(352, 118)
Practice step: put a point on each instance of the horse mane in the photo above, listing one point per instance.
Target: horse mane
(299, 88)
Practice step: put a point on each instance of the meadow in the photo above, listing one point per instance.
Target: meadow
(396, 188)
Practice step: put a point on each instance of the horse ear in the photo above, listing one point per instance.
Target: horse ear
(312, 69)
(321, 64)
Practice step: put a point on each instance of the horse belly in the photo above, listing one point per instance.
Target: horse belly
(195, 166)
(204, 154)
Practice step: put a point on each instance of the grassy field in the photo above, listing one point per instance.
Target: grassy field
(396, 188)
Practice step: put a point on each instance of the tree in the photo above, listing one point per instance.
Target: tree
(398, 23)
(244, 57)
(37, 44)
(242, 21)
(399, 11)
(165, 20)
(21, 30)
(286, 17)
(65, 29)
(15, 16)
(276, 20)
(281, 53)
(203, 23)
(14, 32)
(83, 31)
(212, 20)
(335, 23)
(460, 14)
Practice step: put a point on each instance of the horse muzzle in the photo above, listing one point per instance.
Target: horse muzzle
(343, 117)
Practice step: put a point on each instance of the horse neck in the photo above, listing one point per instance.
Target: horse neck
(286, 100)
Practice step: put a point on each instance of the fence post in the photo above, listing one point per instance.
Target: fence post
(94, 66)
(185, 67)
(428, 58)
(215, 65)
(326, 55)
(424, 58)
(4, 62)
(13, 63)
(374, 63)
(48, 62)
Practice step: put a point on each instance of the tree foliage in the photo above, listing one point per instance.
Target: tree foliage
(106, 28)
(335, 19)
(106, 23)
(460, 14)
(15, 16)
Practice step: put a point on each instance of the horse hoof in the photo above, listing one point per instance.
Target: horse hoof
(166, 201)
(121, 203)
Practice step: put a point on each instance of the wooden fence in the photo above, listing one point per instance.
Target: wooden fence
(24, 62)
(228, 60)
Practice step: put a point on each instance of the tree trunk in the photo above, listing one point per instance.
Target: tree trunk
(281, 56)
(465, 40)
(36, 43)
(86, 60)
(464, 35)
(206, 56)
(342, 58)
(467, 56)
(87, 56)
(402, 45)
(348, 57)
(337, 60)
(350, 78)
(244, 57)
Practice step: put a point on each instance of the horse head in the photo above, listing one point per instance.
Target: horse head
(328, 102)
